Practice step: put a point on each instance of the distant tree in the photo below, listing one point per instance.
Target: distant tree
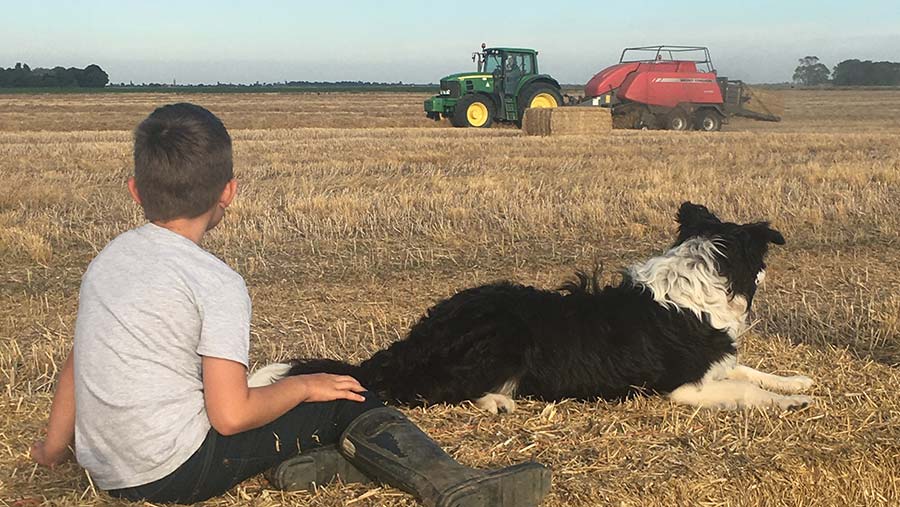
(866, 73)
(64, 78)
(811, 72)
(93, 77)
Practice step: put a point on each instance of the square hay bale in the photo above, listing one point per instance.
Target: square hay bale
(580, 120)
(567, 121)
(536, 121)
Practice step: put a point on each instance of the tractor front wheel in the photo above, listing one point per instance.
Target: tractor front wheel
(678, 120)
(473, 111)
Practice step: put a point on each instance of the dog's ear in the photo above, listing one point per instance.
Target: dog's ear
(763, 233)
(693, 220)
(693, 215)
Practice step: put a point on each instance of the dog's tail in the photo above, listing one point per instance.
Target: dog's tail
(308, 366)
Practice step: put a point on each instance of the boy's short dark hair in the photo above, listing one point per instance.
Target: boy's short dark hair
(182, 161)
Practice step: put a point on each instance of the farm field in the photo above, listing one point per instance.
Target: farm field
(356, 213)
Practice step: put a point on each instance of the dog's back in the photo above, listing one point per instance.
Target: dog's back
(583, 343)
(463, 347)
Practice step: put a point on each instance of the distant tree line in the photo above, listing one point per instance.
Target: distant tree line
(855, 72)
(23, 76)
(280, 84)
(812, 72)
(341, 84)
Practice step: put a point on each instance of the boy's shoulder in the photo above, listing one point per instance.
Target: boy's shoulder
(151, 249)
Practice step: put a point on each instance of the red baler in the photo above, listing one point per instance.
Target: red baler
(676, 88)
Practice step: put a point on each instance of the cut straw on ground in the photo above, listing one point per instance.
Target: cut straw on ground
(354, 216)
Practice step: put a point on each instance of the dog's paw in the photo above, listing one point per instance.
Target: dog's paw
(796, 384)
(496, 403)
(794, 402)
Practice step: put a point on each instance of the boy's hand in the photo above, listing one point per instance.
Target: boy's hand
(233, 407)
(42, 454)
(328, 387)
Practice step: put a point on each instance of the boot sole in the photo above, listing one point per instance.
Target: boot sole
(314, 468)
(522, 485)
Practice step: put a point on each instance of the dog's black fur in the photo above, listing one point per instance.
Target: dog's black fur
(581, 341)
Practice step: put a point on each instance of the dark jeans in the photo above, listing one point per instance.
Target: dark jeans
(221, 462)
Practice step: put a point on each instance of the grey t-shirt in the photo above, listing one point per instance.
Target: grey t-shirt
(151, 304)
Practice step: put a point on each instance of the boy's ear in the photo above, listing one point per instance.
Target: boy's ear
(132, 189)
(228, 193)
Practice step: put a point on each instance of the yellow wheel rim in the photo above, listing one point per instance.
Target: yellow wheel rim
(544, 100)
(477, 114)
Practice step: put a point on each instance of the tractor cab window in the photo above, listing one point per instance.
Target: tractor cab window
(512, 63)
(528, 64)
(515, 66)
(518, 63)
(492, 62)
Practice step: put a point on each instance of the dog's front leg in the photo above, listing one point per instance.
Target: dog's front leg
(496, 403)
(732, 394)
(794, 384)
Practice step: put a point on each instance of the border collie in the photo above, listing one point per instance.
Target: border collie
(672, 326)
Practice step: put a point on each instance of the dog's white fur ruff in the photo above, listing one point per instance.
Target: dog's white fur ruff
(268, 374)
(686, 277)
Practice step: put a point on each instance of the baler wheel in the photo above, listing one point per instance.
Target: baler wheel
(709, 121)
(678, 120)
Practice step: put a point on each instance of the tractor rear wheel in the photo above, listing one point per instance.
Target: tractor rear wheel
(538, 95)
(473, 111)
(709, 121)
(678, 120)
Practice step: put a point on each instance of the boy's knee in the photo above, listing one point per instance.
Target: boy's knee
(349, 410)
(372, 400)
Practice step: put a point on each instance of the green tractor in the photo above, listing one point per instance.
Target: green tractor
(506, 83)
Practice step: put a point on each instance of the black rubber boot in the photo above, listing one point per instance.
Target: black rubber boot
(314, 468)
(389, 448)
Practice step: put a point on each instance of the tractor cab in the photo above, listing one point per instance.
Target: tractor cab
(505, 83)
(507, 65)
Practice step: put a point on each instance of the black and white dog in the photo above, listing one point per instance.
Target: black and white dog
(672, 326)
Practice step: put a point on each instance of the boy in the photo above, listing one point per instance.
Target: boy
(154, 395)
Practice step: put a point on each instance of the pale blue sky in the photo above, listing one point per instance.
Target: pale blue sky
(271, 40)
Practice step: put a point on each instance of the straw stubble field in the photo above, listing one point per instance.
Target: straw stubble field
(352, 219)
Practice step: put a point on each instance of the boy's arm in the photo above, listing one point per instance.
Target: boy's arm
(232, 407)
(54, 449)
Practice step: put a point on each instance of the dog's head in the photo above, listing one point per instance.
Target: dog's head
(741, 247)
